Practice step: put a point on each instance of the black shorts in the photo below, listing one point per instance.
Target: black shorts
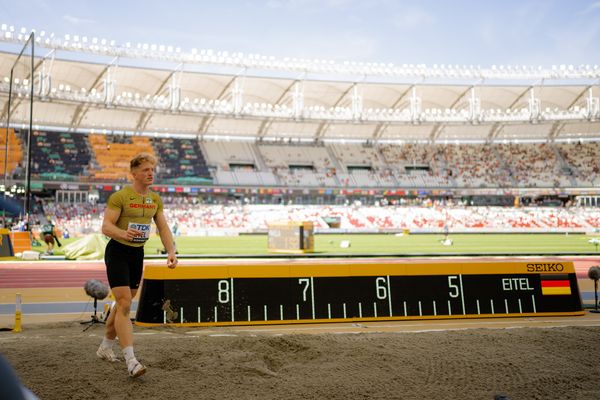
(124, 264)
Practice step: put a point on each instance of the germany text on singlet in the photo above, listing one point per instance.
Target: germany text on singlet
(137, 211)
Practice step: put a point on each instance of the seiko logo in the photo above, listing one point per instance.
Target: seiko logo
(545, 267)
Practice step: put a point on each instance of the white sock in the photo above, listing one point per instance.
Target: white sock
(128, 354)
(107, 343)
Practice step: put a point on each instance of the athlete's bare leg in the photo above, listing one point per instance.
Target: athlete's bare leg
(111, 332)
(121, 324)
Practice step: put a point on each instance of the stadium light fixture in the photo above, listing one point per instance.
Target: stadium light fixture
(208, 56)
(335, 113)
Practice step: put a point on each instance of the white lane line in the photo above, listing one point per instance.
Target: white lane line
(520, 307)
(389, 295)
(462, 295)
(312, 295)
(232, 303)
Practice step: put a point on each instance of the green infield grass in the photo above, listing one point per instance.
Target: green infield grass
(374, 244)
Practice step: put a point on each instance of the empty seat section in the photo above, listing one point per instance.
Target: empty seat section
(179, 159)
(113, 154)
(59, 155)
(14, 163)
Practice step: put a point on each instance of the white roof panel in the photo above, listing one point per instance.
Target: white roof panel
(174, 123)
(464, 132)
(293, 129)
(235, 127)
(407, 132)
(579, 129)
(199, 87)
(104, 118)
(353, 131)
(54, 113)
(515, 131)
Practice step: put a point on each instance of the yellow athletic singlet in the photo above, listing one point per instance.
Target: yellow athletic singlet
(136, 210)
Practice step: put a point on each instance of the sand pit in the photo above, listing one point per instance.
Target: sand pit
(58, 361)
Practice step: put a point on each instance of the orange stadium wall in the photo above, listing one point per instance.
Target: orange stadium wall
(20, 241)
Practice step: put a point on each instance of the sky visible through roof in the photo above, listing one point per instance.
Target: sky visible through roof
(460, 32)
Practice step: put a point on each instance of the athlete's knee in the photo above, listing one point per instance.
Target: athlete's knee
(124, 305)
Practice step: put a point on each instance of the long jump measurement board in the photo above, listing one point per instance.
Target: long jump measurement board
(246, 292)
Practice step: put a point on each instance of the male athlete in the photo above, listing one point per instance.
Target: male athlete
(127, 220)
(48, 234)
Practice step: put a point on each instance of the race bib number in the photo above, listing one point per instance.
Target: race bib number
(144, 230)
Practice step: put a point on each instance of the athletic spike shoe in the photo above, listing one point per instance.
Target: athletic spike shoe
(136, 369)
(106, 354)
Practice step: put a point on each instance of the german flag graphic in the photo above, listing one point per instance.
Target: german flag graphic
(556, 284)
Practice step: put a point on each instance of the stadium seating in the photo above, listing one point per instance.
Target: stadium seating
(238, 163)
(59, 155)
(357, 155)
(15, 152)
(418, 165)
(221, 154)
(296, 165)
(203, 219)
(534, 165)
(105, 158)
(179, 160)
(279, 156)
(112, 155)
(476, 165)
(584, 160)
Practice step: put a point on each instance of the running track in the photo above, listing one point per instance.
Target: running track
(67, 274)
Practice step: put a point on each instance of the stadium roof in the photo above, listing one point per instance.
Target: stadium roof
(108, 88)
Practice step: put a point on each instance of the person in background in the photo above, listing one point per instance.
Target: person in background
(47, 235)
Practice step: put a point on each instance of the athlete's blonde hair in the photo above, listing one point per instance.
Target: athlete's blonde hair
(140, 159)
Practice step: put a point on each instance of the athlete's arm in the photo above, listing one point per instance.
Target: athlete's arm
(110, 228)
(166, 238)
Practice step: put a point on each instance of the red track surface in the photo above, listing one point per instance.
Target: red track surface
(72, 273)
(39, 274)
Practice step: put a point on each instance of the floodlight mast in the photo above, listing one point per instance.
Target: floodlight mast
(6, 133)
(28, 83)
(31, 40)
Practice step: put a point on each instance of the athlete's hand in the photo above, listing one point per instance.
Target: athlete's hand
(171, 260)
(132, 233)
